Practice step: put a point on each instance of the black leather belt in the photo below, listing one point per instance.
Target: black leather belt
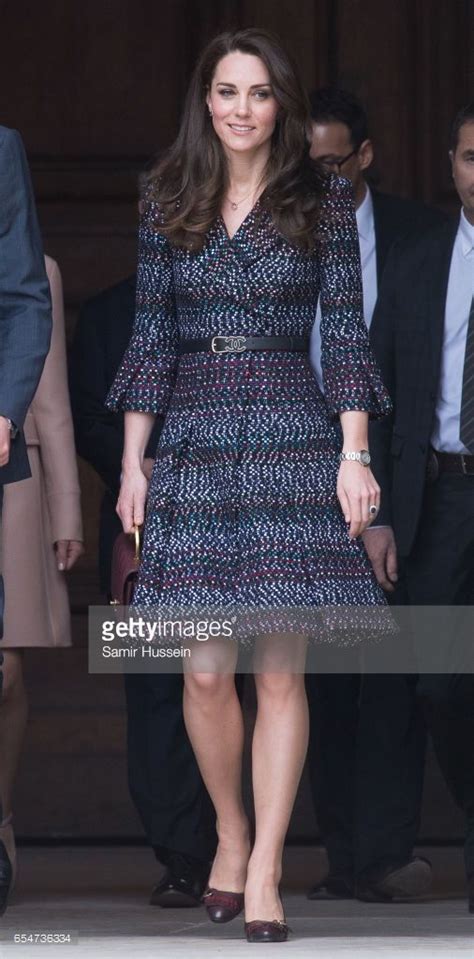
(454, 462)
(239, 344)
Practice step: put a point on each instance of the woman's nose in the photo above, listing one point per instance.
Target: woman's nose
(243, 107)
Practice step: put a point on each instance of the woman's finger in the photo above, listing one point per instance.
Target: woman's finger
(138, 510)
(125, 512)
(373, 504)
(356, 516)
(364, 507)
(344, 502)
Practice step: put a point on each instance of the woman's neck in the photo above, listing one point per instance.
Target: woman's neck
(246, 172)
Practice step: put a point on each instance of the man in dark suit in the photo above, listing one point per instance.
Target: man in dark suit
(164, 779)
(25, 330)
(367, 736)
(423, 336)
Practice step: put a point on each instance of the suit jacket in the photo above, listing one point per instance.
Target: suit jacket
(25, 306)
(407, 337)
(102, 335)
(395, 217)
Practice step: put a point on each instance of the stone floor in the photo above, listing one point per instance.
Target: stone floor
(99, 895)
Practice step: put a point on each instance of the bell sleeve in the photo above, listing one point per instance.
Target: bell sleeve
(351, 378)
(145, 379)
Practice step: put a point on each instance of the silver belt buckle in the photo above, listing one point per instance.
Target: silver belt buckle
(233, 344)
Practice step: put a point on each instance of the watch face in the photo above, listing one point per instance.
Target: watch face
(365, 457)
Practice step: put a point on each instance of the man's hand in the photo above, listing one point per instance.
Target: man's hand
(67, 552)
(380, 545)
(5, 441)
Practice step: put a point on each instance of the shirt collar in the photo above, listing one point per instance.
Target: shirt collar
(466, 234)
(365, 216)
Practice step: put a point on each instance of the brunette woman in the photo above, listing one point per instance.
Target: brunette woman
(249, 503)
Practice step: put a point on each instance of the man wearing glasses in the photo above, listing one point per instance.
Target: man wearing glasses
(367, 741)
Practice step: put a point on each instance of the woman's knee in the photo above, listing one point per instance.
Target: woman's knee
(12, 669)
(209, 686)
(280, 685)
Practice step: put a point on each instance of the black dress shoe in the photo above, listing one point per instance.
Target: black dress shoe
(6, 878)
(404, 881)
(182, 884)
(333, 887)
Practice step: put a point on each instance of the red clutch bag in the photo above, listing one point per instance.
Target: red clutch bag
(125, 563)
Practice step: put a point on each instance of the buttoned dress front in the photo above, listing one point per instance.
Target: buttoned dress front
(242, 505)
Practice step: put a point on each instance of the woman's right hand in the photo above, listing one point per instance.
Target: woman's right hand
(132, 499)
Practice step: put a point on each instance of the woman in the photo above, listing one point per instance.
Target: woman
(42, 538)
(238, 238)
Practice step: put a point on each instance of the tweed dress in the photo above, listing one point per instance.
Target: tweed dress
(242, 506)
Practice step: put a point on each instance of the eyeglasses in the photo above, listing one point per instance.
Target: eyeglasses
(331, 166)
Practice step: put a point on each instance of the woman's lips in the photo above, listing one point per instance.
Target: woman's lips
(240, 129)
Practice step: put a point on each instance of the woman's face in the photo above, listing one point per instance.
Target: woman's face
(243, 105)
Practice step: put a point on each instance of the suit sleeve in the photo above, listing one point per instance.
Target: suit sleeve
(25, 308)
(146, 377)
(351, 378)
(52, 414)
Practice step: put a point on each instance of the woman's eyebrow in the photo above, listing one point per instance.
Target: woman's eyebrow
(222, 83)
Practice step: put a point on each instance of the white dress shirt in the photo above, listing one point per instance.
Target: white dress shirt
(445, 436)
(366, 231)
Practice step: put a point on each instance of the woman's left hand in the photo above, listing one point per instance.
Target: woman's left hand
(67, 553)
(357, 490)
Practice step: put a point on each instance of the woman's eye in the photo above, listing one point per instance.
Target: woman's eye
(225, 93)
(262, 94)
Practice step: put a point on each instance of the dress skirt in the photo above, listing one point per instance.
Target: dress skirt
(242, 508)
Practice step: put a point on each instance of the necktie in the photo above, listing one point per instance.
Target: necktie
(466, 426)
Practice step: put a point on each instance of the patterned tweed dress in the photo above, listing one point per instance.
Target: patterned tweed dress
(242, 506)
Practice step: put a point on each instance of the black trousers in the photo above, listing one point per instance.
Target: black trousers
(164, 780)
(365, 762)
(440, 572)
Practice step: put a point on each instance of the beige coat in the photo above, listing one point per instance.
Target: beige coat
(39, 511)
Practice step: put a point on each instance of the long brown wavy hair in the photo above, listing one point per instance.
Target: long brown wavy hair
(189, 183)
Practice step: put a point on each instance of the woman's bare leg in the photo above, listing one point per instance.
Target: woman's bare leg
(13, 718)
(279, 748)
(214, 723)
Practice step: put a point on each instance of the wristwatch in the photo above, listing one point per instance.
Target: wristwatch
(361, 456)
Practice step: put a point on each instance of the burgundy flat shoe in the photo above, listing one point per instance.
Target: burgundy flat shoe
(260, 930)
(223, 906)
